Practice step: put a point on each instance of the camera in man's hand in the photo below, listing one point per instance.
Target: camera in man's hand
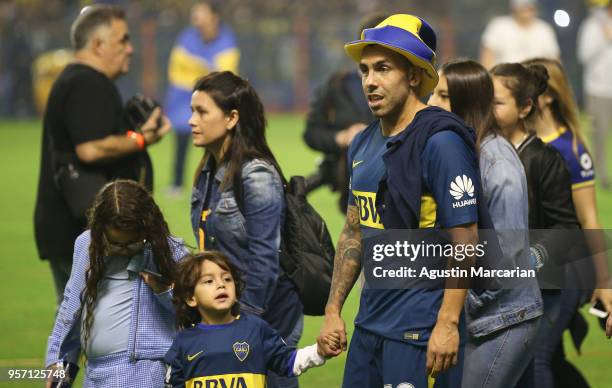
(138, 110)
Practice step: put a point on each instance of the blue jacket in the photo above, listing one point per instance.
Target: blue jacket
(251, 238)
(152, 323)
(505, 191)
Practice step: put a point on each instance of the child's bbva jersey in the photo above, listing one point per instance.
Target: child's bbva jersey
(233, 355)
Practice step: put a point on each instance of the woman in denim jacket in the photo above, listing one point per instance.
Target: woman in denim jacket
(238, 205)
(502, 324)
(117, 305)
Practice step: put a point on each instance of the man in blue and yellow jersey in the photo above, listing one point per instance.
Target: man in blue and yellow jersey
(207, 45)
(414, 167)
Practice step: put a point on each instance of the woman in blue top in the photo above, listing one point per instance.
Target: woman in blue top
(237, 204)
(501, 323)
(117, 304)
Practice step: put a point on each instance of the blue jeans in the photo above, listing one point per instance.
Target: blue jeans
(560, 309)
(500, 358)
(276, 381)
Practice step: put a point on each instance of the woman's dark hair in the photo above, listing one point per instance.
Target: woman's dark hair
(470, 91)
(526, 83)
(188, 274)
(248, 142)
(126, 206)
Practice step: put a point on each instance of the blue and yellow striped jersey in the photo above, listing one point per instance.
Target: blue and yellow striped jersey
(448, 199)
(192, 58)
(580, 165)
(236, 354)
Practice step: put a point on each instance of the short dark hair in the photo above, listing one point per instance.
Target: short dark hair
(188, 275)
(90, 18)
(213, 5)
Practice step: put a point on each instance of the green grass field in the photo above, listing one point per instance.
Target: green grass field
(28, 306)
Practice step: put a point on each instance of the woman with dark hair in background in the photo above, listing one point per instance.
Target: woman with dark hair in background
(517, 90)
(557, 125)
(119, 298)
(238, 204)
(501, 323)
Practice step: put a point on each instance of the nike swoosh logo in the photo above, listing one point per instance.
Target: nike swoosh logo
(357, 163)
(191, 358)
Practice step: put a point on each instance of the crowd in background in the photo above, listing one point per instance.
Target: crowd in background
(291, 46)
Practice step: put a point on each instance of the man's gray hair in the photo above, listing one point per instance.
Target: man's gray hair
(90, 18)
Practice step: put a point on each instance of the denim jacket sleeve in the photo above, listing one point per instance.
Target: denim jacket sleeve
(502, 185)
(505, 190)
(263, 204)
(65, 337)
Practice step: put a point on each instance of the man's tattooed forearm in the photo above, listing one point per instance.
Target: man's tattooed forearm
(347, 262)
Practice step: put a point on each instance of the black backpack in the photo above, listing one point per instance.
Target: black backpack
(307, 251)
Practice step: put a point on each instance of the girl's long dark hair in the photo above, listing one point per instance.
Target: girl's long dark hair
(127, 206)
(248, 142)
(471, 93)
(188, 275)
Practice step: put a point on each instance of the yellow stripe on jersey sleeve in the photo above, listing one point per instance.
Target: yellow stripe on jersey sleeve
(428, 212)
(228, 60)
(583, 184)
(185, 68)
(238, 380)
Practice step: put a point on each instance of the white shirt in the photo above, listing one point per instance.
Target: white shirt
(511, 42)
(595, 54)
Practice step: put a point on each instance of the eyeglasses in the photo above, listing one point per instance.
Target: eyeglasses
(130, 246)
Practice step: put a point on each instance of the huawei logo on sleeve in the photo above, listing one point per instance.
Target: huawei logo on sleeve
(461, 187)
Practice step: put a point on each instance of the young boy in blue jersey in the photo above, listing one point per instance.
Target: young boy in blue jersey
(402, 172)
(218, 347)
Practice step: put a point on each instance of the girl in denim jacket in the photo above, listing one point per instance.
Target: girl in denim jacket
(117, 305)
(237, 204)
(501, 324)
